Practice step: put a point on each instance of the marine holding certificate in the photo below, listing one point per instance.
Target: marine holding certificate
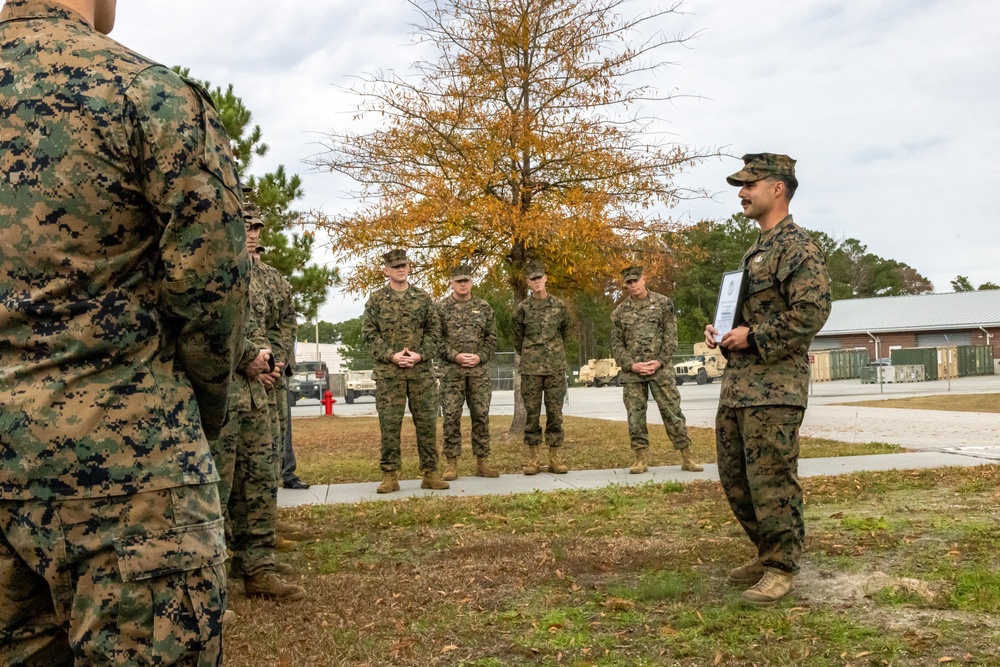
(765, 384)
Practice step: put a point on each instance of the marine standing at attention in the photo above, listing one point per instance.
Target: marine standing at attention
(469, 339)
(123, 291)
(541, 324)
(765, 384)
(401, 327)
(643, 342)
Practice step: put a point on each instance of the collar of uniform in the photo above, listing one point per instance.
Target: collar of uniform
(40, 9)
(767, 238)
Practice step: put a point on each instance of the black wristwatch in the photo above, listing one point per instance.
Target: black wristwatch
(751, 340)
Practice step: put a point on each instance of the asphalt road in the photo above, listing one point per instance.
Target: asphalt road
(970, 433)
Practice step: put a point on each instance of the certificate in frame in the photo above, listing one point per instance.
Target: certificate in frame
(730, 303)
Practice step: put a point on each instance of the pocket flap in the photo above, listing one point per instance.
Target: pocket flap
(180, 549)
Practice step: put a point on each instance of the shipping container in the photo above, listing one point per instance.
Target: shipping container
(917, 356)
(820, 366)
(947, 362)
(847, 364)
(975, 360)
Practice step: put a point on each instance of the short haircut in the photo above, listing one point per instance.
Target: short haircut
(791, 183)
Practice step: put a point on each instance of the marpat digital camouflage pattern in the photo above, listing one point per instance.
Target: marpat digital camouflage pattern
(391, 322)
(467, 327)
(123, 287)
(787, 302)
(122, 272)
(765, 391)
(646, 330)
(540, 330)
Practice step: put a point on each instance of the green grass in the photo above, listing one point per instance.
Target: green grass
(637, 576)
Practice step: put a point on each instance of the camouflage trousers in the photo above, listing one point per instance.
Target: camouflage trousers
(121, 580)
(758, 454)
(391, 396)
(553, 388)
(276, 435)
(248, 462)
(476, 391)
(668, 400)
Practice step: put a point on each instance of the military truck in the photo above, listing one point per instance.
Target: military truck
(705, 366)
(599, 373)
(359, 383)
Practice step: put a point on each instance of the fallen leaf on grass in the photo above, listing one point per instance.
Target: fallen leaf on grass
(450, 647)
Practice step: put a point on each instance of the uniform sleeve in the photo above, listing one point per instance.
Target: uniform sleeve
(668, 335)
(189, 180)
(430, 343)
(518, 327)
(619, 350)
(490, 338)
(805, 285)
(371, 333)
(448, 350)
(564, 322)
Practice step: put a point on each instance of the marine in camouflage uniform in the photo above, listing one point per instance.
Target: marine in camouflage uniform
(246, 452)
(541, 323)
(643, 342)
(122, 288)
(765, 384)
(469, 338)
(283, 343)
(401, 328)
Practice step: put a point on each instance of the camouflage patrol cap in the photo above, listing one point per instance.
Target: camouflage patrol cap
(633, 272)
(535, 270)
(761, 165)
(395, 257)
(461, 272)
(251, 216)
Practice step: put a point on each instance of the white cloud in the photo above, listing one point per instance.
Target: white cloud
(889, 107)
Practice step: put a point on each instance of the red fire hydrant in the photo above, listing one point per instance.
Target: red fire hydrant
(328, 401)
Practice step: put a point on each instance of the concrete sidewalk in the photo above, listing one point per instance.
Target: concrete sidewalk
(330, 494)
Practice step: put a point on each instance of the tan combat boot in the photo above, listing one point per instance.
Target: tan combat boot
(270, 585)
(531, 461)
(640, 466)
(484, 469)
(687, 463)
(432, 480)
(555, 464)
(748, 573)
(774, 585)
(451, 469)
(390, 482)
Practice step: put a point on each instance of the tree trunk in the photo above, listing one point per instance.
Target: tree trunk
(520, 290)
(520, 416)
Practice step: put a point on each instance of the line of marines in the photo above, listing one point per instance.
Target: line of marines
(404, 330)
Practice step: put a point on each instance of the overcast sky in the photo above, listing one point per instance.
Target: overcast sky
(891, 108)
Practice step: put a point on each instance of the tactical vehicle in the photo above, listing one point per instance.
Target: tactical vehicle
(600, 372)
(705, 366)
(359, 383)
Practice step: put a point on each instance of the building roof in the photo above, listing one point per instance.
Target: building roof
(920, 312)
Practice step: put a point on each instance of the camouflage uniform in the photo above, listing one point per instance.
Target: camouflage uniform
(646, 330)
(245, 452)
(123, 281)
(468, 327)
(540, 329)
(282, 339)
(393, 321)
(765, 389)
